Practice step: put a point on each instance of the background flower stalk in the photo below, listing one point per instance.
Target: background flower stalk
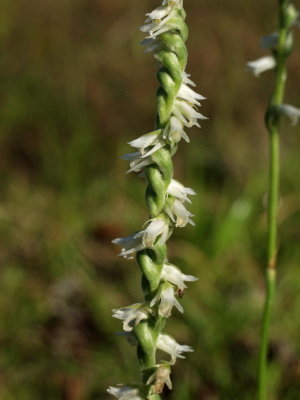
(280, 43)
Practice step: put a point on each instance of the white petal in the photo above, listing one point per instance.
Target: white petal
(131, 315)
(175, 131)
(145, 140)
(159, 13)
(156, 228)
(289, 111)
(167, 300)
(189, 95)
(124, 393)
(186, 79)
(173, 275)
(182, 215)
(130, 244)
(138, 165)
(158, 146)
(188, 111)
(261, 65)
(177, 190)
(167, 344)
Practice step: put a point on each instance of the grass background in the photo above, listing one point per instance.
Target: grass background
(75, 87)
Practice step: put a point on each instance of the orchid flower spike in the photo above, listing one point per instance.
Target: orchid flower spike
(177, 109)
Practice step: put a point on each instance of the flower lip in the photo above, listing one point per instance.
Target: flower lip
(131, 315)
(156, 232)
(137, 161)
(177, 190)
(173, 275)
(130, 244)
(167, 300)
(179, 214)
(169, 345)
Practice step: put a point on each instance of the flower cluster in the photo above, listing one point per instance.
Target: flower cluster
(171, 281)
(280, 46)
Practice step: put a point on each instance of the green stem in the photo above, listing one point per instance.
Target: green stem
(264, 344)
(272, 122)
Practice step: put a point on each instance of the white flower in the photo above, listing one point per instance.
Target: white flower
(179, 214)
(186, 113)
(173, 275)
(269, 41)
(289, 111)
(149, 139)
(169, 345)
(167, 300)
(131, 315)
(124, 393)
(158, 20)
(161, 377)
(159, 13)
(188, 94)
(175, 131)
(177, 190)
(157, 228)
(137, 161)
(261, 65)
(130, 244)
(186, 79)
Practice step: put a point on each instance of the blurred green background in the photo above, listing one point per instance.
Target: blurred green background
(75, 88)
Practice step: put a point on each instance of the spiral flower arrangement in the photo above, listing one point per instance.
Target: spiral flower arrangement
(166, 198)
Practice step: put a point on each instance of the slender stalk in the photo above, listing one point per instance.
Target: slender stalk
(272, 123)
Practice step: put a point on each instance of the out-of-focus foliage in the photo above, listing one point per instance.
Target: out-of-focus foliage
(75, 87)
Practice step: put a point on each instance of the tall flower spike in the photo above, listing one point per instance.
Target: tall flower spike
(280, 44)
(162, 282)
